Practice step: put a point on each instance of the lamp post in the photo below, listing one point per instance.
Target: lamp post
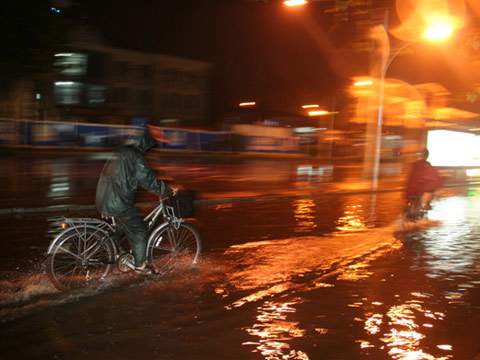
(435, 32)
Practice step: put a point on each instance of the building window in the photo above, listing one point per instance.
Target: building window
(144, 100)
(168, 101)
(96, 94)
(193, 80)
(146, 74)
(119, 96)
(170, 77)
(192, 104)
(121, 69)
(71, 63)
(68, 92)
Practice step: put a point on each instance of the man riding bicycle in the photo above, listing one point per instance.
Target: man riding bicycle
(118, 184)
(423, 180)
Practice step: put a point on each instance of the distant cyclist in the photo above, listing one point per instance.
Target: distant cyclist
(121, 177)
(423, 180)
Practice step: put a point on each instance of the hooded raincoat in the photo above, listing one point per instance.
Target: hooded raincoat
(123, 175)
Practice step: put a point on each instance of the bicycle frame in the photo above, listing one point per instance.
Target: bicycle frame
(110, 230)
(87, 247)
(74, 224)
(168, 213)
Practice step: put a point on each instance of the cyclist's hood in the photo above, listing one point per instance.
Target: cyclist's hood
(145, 140)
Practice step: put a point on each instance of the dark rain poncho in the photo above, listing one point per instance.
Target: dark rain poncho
(123, 174)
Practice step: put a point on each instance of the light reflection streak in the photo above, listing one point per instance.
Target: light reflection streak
(448, 249)
(275, 330)
(270, 267)
(267, 272)
(304, 213)
(372, 324)
(352, 220)
(404, 337)
(59, 187)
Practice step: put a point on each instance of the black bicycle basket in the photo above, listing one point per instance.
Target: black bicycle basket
(182, 203)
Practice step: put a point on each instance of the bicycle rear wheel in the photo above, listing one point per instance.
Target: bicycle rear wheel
(175, 247)
(81, 256)
(414, 210)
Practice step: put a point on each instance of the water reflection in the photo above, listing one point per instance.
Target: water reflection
(270, 267)
(311, 173)
(280, 274)
(274, 330)
(406, 326)
(59, 187)
(353, 219)
(304, 213)
(451, 249)
(270, 272)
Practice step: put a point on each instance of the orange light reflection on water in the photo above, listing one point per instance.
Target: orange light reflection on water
(352, 220)
(304, 213)
(275, 330)
(404, 336)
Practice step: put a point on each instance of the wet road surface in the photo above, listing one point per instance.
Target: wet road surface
(330, 277)
(51, 180)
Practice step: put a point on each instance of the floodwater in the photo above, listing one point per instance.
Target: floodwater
(329, 277)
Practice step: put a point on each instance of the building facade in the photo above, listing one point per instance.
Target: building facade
(94, 82)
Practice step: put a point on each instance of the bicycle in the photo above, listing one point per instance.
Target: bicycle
(417, 207)
(87, 248)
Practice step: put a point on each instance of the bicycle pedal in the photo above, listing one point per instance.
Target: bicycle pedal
(125, 262)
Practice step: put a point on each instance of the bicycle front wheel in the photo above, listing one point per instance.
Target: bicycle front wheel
(81, 256)
(175, 247)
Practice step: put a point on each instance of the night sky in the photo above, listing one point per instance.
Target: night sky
(263, 51)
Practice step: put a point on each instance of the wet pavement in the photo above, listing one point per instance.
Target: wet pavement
(50, 181)
(332, 276)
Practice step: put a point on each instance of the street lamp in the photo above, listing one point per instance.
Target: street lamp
(247, 103)
(435, 32)
(295, 2)
(363, 83)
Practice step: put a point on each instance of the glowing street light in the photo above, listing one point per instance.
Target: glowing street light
(247, 103)
(318, 113)
(363, 83)
(295, 2)
(438, 32)
(311, 106)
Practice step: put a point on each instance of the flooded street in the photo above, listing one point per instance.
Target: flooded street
(330, 277)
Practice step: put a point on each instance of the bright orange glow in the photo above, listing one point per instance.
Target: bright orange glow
(295, 2)
(440, 17)
(438, 32)
(363, 83)
(304, 212)
(64, 225)
(249, 103)
(310, 106)
(352, 219)
(317, 113)
(275, 330)
(403, 103)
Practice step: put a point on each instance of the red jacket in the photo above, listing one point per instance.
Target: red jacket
(423, 178)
